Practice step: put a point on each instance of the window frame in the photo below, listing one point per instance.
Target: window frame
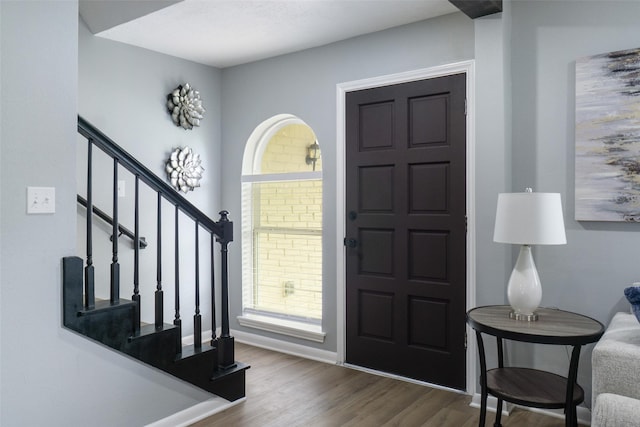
(281, 323)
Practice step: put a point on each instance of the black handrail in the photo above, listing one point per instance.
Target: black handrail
(107, 145)
(106, 218)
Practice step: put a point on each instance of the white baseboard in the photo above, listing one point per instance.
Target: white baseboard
(196, 412)
(584, 414)
(285, 347)
(492, 404)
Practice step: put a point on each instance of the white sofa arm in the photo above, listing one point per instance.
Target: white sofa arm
(612, 410)
(616, 359)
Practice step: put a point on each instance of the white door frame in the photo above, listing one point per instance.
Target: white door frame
(467, 67)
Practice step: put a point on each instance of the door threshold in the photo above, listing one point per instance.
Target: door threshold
(401, 378)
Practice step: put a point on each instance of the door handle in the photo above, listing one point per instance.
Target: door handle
(350, 242)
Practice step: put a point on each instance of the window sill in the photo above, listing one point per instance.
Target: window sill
(291, 328)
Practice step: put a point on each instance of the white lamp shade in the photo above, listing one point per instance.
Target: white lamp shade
(529, 219)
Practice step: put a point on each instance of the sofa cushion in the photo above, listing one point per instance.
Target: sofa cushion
(613, 410)
(616, 358)
(633, 296)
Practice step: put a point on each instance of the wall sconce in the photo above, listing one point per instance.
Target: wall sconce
(313, 154)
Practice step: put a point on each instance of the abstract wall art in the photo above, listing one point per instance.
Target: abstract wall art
(607, 132)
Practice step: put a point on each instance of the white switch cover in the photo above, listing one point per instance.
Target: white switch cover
(41, 200)
(121, 187)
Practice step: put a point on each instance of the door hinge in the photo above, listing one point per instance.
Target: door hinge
(466, 224)
(465, 106)
(465, 340)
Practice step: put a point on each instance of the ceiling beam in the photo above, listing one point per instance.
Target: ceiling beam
(478, 8)
(101, 15)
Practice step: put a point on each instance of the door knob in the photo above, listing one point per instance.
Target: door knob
(352, 215)
(350, 243)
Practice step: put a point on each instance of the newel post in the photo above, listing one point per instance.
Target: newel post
(226, 356)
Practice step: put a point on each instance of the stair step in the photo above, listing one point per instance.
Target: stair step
(192, 364)
(110, 324)
(147, 329)
(230, 383)
(113, 325)
(155, 346)
(190, 351)
(237, 367)
(105, 305)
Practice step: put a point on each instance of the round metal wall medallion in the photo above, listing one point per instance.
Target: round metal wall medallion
(184, 169)
(185, 106)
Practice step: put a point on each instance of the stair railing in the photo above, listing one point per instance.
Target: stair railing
(122, 230)
(221, 231)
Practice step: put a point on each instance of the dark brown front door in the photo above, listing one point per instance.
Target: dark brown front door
(406, 229)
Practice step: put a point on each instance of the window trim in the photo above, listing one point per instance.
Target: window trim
(293, 328)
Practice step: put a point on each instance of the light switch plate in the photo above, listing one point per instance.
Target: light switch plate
(41, 200)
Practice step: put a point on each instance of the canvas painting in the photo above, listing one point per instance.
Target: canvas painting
(607, 164)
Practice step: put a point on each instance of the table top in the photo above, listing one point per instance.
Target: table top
(552, 327)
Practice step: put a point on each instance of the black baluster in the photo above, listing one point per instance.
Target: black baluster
(213, 295)
(115, 267)
(136, 258)
(177, 321)
(197, 320)
(89, 274)
(159, 294)
(226, 341)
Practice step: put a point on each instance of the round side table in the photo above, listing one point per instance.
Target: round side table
(532, 387)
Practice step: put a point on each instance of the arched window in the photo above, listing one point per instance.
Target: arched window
(282, 225)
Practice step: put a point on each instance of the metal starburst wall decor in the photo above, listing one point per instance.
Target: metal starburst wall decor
(184, 169)
(185, 106)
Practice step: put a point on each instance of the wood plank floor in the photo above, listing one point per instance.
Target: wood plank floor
(288, 391)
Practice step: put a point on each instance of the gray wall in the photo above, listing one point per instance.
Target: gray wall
(493, 157)
(51, 376)
(588, 274)
(304, 84)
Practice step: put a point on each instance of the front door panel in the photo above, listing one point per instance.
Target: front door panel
(406, 192)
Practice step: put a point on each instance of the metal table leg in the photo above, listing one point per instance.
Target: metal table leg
(500, 365)
(483, 380)
(570, 412)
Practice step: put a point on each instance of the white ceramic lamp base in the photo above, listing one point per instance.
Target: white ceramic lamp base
(524, 290)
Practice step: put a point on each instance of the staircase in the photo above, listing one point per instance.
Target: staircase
(116, 322)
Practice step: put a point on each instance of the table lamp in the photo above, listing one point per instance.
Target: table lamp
(527, 219)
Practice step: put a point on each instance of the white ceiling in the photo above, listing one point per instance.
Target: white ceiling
(223, 33)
